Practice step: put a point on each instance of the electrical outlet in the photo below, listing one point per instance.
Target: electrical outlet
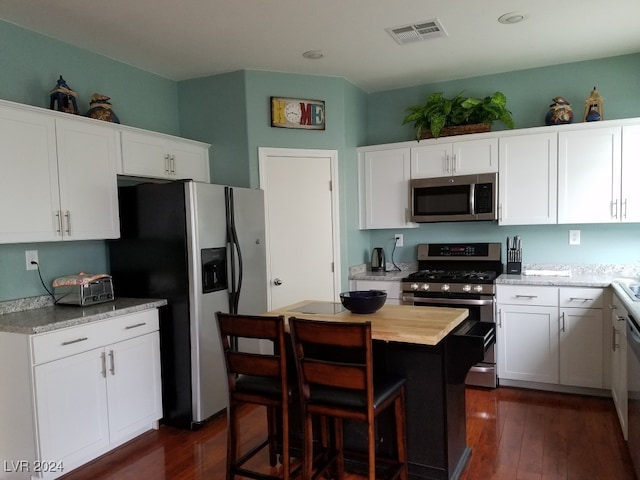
(399, 239)
(574, 237)
(31, 256)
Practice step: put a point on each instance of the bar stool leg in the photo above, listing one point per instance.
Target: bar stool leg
(400, 434)
(307, 454)
(232, 444)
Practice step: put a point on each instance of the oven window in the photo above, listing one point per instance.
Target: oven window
(446, 200)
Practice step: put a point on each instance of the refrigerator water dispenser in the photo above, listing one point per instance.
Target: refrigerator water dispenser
(214, 269)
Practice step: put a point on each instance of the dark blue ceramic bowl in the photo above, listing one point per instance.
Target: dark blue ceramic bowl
(363, 301)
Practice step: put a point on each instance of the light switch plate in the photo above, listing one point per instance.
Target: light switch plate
(574, 237)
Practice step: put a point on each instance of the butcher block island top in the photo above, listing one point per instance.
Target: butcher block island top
(392, 323)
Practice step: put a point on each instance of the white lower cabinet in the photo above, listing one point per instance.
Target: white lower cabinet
(392, 288)
(551, 335)
(94, 387)
(618, 353)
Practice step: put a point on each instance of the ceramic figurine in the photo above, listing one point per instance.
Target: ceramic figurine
(559, 112)
(64, 97)
(100, 109)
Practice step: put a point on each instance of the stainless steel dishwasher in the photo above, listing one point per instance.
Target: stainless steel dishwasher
(633, 385)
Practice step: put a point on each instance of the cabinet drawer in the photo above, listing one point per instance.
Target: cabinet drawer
(581, 297)
(70, 341)
(527, 295)
(392, 288)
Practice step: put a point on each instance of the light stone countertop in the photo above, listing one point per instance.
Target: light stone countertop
(49, 317)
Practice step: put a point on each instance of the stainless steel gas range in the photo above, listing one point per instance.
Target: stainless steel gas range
(460, 275)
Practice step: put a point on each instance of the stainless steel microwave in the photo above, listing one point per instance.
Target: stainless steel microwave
(454, 199)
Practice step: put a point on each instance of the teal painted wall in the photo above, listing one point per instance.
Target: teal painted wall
(529, 93)
(214, 110)
(29, 67)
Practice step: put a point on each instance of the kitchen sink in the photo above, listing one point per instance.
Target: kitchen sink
(631, 288)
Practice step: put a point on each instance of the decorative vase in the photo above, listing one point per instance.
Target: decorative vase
(100, 109)
(559, 112)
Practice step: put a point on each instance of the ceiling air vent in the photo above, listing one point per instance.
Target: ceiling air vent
(417, 31)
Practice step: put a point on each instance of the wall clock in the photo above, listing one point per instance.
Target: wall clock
(297, 113)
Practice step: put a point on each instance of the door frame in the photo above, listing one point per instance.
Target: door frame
(263, 155)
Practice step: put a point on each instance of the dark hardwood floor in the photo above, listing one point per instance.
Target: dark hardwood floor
(513, 434)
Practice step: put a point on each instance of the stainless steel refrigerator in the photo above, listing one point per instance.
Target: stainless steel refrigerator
(200, 246)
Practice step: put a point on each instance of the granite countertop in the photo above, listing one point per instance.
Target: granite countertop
(47, 318)
(392, 323)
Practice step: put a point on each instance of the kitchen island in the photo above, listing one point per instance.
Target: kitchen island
(432, 348)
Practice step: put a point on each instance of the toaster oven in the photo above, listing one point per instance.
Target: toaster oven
(83, 290)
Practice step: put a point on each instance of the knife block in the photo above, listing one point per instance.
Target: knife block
(514, 268)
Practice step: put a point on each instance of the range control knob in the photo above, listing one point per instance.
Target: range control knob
(425, 286)
(466, 288)
(414, 286)
(445, 287)
(478, 288)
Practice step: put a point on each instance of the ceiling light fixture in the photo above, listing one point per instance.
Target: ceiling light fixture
(314, 54)
(513, 17)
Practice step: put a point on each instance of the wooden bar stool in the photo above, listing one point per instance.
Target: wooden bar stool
(259, 379)
(336, 380)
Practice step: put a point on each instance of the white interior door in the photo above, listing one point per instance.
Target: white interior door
(302, 240)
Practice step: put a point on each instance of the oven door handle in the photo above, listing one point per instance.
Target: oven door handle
(446, 301)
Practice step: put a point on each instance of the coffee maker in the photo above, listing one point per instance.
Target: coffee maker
(378, 261)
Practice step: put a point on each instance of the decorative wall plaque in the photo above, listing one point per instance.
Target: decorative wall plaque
(297, 113)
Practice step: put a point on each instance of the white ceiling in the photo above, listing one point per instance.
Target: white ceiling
(182, 39)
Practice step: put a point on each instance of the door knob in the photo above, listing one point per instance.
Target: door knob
(277, 281)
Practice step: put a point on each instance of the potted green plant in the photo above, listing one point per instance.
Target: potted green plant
(440, 113)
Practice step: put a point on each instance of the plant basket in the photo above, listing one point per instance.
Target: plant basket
(459, 130)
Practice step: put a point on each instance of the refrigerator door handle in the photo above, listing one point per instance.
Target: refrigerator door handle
(234, 252)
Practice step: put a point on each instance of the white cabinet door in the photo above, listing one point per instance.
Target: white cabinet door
(454, 158)
(589, 164)
(71, 403)
(87, 158)
(133, 385)
(384, 188)
(619, 362)
(527, 343)
(392, 288)
(630, 196)
(148, 155)
(528, 179)
(581, 349)
(29, 194)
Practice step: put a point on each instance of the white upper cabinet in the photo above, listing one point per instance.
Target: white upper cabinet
(589, 175)
(59, 180)
(630, 196)
(87, 157)
(528, 179)
(159, 156)
(440, 159)
(383, 177)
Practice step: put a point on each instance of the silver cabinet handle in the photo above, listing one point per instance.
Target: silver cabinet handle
(527, 296)
(112, 368)
(446, 163)
(614, 206)
(454, 166)
(614, 344)
(129, 327)
(58, 223)
(77, 340)
(624, 208)
(580, 299)
(173, 164)
(103, 358)
(67, 215)
(500, 318)
(562, 329)
(167, 166)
